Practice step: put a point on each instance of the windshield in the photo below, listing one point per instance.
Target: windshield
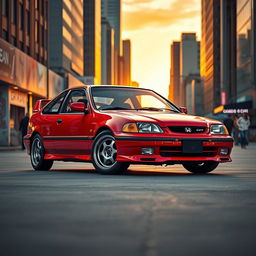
(113, 98)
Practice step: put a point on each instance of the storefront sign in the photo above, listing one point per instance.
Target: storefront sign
(7, 62)
(19, 69)
(235, 111)
(18, 98)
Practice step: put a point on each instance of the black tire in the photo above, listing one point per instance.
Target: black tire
(37, 155)
(202, 167)
(104, 154)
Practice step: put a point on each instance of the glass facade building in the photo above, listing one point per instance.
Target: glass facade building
(245, 50)
(210, 53)
(66, 36)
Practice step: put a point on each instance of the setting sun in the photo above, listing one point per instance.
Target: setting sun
(152, 25)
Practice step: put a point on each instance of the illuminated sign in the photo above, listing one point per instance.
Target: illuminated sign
(235, 111)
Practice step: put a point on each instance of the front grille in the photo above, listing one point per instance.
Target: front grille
(187, 129)
(177, 152)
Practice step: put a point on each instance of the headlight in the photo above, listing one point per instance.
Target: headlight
(142, 128)
(219, 129)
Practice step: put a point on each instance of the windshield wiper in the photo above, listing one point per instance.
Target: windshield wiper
(114, 108)
(157, 109)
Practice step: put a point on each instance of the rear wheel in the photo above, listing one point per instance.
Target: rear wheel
(37, 155)
(104, 154)
(202, 167)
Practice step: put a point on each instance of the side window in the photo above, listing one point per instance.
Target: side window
(54, 106)
(74, 96)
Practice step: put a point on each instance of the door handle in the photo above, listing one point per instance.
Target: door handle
(58, 121)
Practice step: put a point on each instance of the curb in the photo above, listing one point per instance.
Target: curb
(14, 148)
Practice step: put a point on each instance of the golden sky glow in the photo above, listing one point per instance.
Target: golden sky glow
(152, 25)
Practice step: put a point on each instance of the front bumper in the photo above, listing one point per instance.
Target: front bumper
(169, 149)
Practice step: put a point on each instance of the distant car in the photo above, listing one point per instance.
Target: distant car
(114, 126)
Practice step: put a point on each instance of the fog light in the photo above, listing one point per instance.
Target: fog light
(224, 151)
(147, 151)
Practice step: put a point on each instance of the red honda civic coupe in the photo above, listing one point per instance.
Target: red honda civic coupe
(114, 126)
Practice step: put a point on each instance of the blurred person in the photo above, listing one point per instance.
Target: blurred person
(247, 117)
(236, 130)
(23, 129)
(243, 123)
(229, 123)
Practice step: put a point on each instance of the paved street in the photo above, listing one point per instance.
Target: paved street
(148, 211)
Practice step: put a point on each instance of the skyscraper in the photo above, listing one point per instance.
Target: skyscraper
(189, 64)
(210, 53)
(174, 94)
(228, 51)
(107, 52)
(113, 10)
(185, 82)
(66, 37)
(127, 62)
(246, 52)
(92, 40)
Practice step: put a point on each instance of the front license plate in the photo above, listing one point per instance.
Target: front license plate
(190, 146)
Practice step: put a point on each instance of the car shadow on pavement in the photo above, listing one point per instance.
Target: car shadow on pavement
(132, 172)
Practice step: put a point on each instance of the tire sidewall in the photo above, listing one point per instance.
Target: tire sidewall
(40, 163)
(99, 168)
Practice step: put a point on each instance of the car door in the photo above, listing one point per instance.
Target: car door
(49, 124)
(75, 127)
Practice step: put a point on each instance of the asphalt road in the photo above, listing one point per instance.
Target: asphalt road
(148, 211)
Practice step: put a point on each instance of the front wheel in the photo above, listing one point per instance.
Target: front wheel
(202, 167)
(104, 154)
(37, 155)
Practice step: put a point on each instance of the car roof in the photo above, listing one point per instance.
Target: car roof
(109, 86)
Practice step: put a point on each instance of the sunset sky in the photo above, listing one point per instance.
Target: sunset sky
(152, 25)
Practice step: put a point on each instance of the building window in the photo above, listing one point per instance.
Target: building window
(28, 21)
(14, 11)
(5, 35)
(5, 7)
(22, 46)
(21, 16)
(13, 41)
(42, 30)
(36, 31)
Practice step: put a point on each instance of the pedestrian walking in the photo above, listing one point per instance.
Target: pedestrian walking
(246, 116)
(236, 130)
(23, 129)
(229, 123)
(243, 123)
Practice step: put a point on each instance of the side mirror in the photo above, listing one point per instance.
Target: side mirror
(184, 110)
(78, 107)
(40, 104)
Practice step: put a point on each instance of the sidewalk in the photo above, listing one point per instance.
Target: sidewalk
(10, 148)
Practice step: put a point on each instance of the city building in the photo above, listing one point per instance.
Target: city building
(227, 51)
(246, 52)
(185, 81)
(66, 54)
(107, 52)
(92, 41)
(190, 81)
(113, 11)
(126, 62)
(23, 60)
(210, 54)
(174, 88)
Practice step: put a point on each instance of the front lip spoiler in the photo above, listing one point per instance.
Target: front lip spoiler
(174, 139)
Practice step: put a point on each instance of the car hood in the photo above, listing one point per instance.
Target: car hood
(163, 119)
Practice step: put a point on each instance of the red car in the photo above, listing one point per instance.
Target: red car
(113, 127)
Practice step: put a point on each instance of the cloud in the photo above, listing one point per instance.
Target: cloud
(144, 17)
